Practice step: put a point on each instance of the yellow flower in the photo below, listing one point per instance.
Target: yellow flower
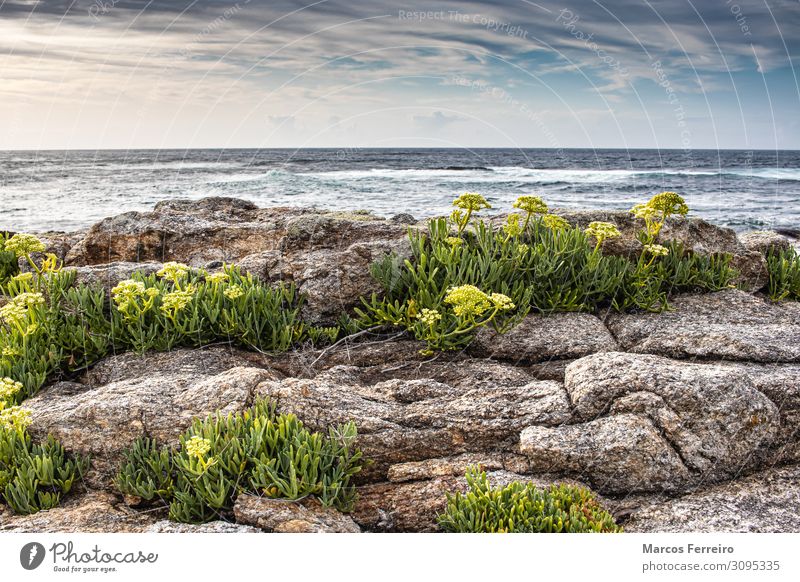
(172, 271)
(22, 277)
(429, 316)
(233, 292)
(602, 230)
(669, 203)
(512, 227)
(197, 447)
(177, 301)
(656, 250)
(531, 204)
(9, 388)
(467, 300)
(554, 222)
(15, 417)
(501, 301)
(217, 278)
(16, 310)
(454, 241)
(471, 201)
(643, 211)
(24, 244)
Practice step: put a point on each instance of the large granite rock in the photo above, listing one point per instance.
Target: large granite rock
(409, 420)
(763, 502)
(765, 241)
(729, 325)
(283, 516)
(541, 338)
(647, 423)
(127, 397)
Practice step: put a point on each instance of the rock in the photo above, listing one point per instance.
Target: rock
(412, 420)
(94, 512)
(456, 466)
(764, 241)
(728, 324)
(166, 526)
(540, 338)
(327, 254)
(108, 275)
(159, 398)
(283, 516)
(758, 503)
(669, 425)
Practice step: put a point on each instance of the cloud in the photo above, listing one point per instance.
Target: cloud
(341, 58)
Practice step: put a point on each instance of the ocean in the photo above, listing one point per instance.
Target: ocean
(69, 190)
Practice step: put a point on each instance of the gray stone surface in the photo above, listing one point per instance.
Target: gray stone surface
(540, 338)
(283, 516)
(729, 324)
(763, 502)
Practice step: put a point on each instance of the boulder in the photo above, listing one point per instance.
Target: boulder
(541, 338)
(157, 397)
(646, 423)
(759, 503)
(94, 512)
(411, 420)
(730, 324)
(764, 241)
(284, 516)
(108, 275)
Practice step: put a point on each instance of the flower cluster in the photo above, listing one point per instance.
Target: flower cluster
(173, 271)
(9, 389)
(602, 231)
(554, 222)
(429, 316)
(217, 278)
(24, 244)
(669, 203)
(176, 301)
(531, 204)
(197, 447)
(471, 202)
(512, 227)
(469, 301)
(128, 292)
(233, 292)
(16, 311)
(14, 418)
(656, 250)
(454, 241)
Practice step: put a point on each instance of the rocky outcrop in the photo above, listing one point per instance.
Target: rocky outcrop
(541, 338)
(729, 324)
(765, 241)
(758, 503)
(409, 420)
(646, 423)
(282, 516)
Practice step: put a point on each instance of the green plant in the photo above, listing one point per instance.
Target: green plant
(784, 274)
(523, 508)
(256, 451)
(539, 264)
(9, 265)
(33, 476)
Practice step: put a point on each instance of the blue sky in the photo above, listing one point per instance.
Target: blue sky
(205, 73)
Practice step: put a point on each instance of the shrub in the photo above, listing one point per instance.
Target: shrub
(9, 265)
(784, 274)
(257, 451)
(522, 508)
(33, 476)
(540, 264)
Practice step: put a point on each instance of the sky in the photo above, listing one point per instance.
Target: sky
(691, 74)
